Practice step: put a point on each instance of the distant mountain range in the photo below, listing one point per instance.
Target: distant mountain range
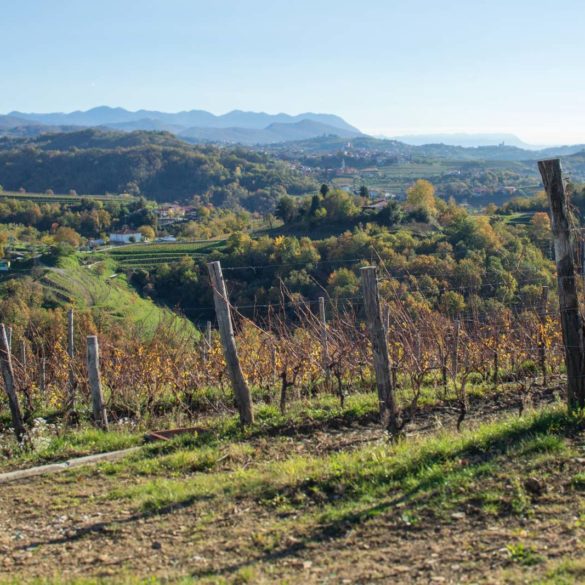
(196, 126)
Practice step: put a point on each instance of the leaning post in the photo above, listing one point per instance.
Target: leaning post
(10, 385)
(228, 341)
(571, 323)
(379, 342)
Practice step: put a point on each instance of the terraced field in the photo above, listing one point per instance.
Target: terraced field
(45, 198)
(111, 295)
(152, 255)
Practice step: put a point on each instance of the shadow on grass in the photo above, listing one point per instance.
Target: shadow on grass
(414, 475)
(480, 453)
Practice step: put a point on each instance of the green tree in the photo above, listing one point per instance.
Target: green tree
(286, 209)
(342, 283)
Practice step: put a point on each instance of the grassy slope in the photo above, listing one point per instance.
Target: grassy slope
(501, 502)
(94, 288)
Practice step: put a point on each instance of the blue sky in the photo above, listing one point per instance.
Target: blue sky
(389, 67)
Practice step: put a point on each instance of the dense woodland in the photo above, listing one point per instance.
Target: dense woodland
(156, 165)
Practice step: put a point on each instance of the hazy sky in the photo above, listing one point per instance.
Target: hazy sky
(387, 66)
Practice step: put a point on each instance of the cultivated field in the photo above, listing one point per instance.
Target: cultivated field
(45, 198)
(151, 255)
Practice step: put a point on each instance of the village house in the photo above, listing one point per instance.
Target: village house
(125, 236)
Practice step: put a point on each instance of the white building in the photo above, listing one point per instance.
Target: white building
(125, 237)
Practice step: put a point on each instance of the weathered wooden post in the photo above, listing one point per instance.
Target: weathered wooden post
(100, 416)
(377, 333)
(324, 340)
(71, 354)
(43, 376)
(386, 317)
(572, 326)
(9, 333)
(455, 355)
(273, 363)
(228, 341)
(10, 386)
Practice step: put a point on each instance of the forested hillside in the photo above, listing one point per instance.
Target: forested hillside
(154, 164)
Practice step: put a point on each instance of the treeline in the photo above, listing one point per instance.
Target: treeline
(152, 164)
(465, 263)
(88, 217)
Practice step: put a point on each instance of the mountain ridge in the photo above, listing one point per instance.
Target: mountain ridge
(197, 126)
(105, 115)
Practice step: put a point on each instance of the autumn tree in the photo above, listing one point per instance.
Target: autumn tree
(540, 229)
(420, 197)
(67, 235)
(147, 232)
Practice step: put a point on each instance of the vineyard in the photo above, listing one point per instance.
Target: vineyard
(291, 434)
(152, 255)
(289, 353)
(48, 198)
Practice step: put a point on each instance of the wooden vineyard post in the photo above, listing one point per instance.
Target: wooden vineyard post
(228, 341)
(379, 342)
(572, 326)
(324, 341)
(10, 385)
(273, 363)
(95, 384)
(71, 354)
(541, 336)
(9, 334)
(455, 356)
(43, 376)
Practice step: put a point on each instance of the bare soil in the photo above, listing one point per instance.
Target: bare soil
(67, 526)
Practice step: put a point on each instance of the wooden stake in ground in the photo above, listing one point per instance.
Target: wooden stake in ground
(43, 376)
(10, 386)
(95, 384)
(228, 342)
(379, 349)
(71, 354)
(324, 342)
(571, 323)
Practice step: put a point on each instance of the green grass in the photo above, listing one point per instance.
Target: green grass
(94, 289)
(565, 572)
(72, 443)
(442, 472)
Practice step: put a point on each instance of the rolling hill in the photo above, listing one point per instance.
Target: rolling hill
(155, 164)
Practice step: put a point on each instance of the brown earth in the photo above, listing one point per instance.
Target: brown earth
(68, 525)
